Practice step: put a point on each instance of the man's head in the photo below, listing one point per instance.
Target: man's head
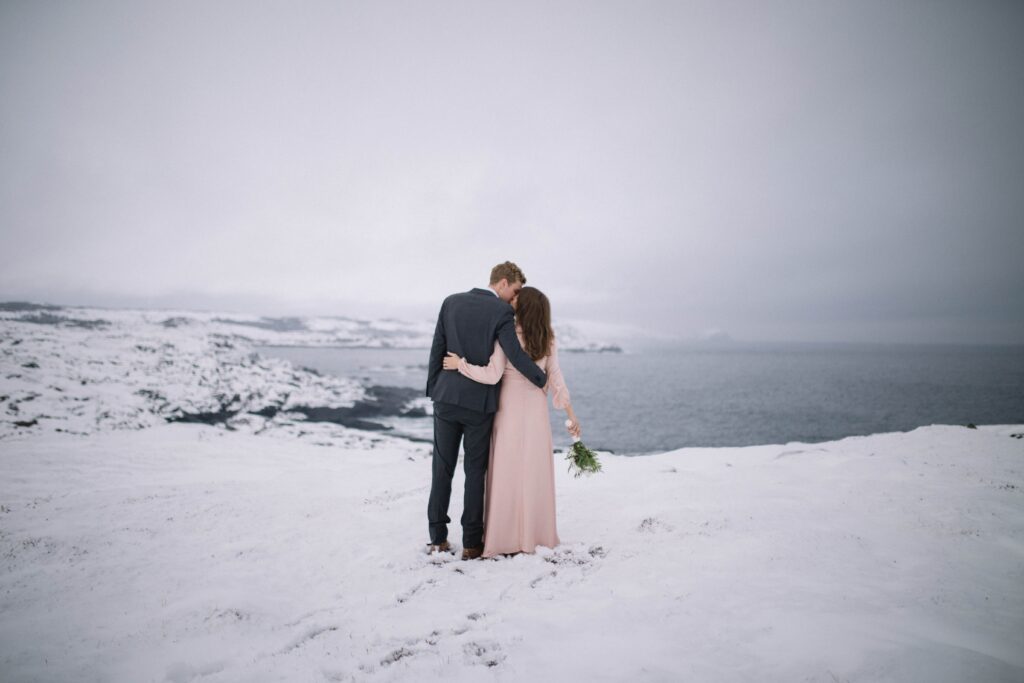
(507, 280)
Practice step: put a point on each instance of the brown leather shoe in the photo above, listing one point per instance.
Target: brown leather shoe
(442, 547)
(472, 553)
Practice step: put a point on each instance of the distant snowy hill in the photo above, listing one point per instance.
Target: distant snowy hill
(85, 370)
(312, 331)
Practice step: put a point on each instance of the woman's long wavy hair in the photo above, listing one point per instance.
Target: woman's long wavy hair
(533, 313)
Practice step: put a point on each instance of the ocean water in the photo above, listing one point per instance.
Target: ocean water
(664, 398)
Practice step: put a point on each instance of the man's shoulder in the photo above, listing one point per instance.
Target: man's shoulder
(480, 300)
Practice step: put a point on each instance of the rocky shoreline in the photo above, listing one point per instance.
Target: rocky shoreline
(78, 372)
(380, 401)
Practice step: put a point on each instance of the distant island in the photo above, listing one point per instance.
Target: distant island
(596, 348)
(300, 331)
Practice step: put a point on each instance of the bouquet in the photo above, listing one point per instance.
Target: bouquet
(580, 457)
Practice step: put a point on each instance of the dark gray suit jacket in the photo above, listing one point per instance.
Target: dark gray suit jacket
(468, 324)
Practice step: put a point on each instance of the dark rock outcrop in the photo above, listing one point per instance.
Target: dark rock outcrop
(273, 324)
(51, 319)
(380, 401)
(19, 306)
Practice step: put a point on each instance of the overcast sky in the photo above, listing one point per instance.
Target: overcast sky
(807, 170)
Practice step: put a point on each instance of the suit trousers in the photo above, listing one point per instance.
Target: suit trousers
(453, 424)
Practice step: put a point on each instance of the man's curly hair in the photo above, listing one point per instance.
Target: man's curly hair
(507, 271)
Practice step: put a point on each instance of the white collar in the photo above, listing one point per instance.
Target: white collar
(491, 290)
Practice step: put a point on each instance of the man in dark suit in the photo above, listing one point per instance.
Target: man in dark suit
(468, 324)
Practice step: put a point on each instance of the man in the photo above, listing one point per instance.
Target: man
(468, 324)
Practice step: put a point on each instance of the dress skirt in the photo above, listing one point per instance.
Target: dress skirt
(520, 500)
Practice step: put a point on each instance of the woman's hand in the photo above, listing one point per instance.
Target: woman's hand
(451, 361)
(573, 425)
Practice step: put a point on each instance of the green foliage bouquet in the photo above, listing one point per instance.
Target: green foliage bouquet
(581, 459)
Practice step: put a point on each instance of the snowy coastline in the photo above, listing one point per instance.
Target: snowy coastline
(269, 547)
(83, 371)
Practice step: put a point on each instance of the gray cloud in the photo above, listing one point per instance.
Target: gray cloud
(780, 170)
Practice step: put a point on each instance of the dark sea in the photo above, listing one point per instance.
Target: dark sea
(665, 398)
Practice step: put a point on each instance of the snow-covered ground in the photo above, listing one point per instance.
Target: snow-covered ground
(270, 548)
(189, 552)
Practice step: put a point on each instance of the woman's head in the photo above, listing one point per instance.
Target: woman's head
(533, 312)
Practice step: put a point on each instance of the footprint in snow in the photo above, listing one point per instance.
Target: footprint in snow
(652, 525)
(478, 652)
(421, 586)
(307, 635)
(539, 579)
(483, 653)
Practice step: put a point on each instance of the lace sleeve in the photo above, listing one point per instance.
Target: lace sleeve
(486, 374)
(556, 387)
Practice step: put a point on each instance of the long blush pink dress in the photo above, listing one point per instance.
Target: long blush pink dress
(519, 512)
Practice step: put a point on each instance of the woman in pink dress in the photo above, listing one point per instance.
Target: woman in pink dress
(520, 506)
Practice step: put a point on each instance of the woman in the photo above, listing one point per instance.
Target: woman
(520, 507)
